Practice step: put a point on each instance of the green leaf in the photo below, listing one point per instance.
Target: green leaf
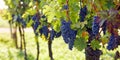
(80, 44)
(95, 44)
(30, 23)
(56, 25)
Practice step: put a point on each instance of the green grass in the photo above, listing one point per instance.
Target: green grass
(60, 49)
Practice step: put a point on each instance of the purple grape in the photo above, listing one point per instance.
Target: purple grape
(21, 21)
(65, 7)
(68, 34)
(113, 43)
(58, 34)
(52, 34)
(95, 25)
(44, 30)
(35, 26)
(83, 13)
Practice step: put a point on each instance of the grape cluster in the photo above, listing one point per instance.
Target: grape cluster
(68, 34)
(104, 27)
(21, 21)
(113, 42)
(92, 54)
(44, 30)
(95, 25)
(36, 23)
(83, 13)
(35, 26)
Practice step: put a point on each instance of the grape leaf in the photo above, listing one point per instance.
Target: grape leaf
(80, 44)
(95, 44)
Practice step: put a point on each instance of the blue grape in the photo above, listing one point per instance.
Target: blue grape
(83, 13)
(35, 26)
(58, 34)
(52, 34)
(95, 26)
(65, 7)
(36, 23)
(44, 30)
(68, 34)
(21, 21)
(35, 17)
(65, 28)
(72, 38)
(113, 43)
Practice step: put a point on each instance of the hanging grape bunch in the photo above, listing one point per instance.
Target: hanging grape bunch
(95, 25)
(113, 42)
(36, 23)
(83, 13)
(68, 34)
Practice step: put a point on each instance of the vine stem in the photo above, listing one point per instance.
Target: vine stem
(50, 49)
(67, 11)
(21, 45)
(37, 43)
(25, 50)
(36, 37)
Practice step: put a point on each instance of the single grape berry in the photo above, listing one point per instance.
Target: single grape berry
(65, 7)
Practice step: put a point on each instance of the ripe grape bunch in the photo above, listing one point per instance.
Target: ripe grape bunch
(113, 42)
(44, 30)
(21, 21)
(35, 24)
(95, 25)
(83, 13)
(68, 34)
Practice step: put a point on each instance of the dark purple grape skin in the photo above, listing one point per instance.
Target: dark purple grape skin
(52, 34)
(83, 13)
(35, 26)
(113, 42)
(68, 34)
(36, 23)
(44, 30)
(58, 34)
(21, 21)
(95, 25)
(65, 7)
(34, 17)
